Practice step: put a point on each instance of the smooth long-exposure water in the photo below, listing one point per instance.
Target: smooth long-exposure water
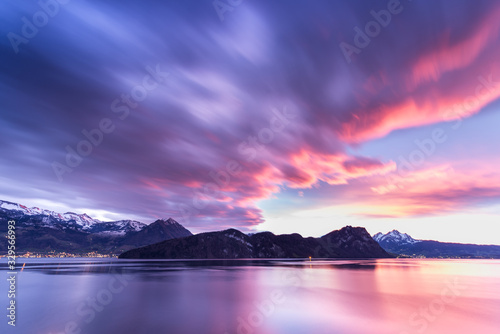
(398, 296)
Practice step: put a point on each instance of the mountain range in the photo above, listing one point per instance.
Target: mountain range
(44, 231)
(39, 230)
(402, 244)
(348, 242)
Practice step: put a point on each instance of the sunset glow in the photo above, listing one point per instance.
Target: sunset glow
(260, 121)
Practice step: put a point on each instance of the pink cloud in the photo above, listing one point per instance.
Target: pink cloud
(437, 190)
(452, 80)
(449, 56)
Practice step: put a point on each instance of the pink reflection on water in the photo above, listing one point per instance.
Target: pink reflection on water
(372, 296)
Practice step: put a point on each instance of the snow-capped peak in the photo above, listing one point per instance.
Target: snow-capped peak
(10, 206)
(169, 221)
(396, 237)
(132, 223)
(80, 219)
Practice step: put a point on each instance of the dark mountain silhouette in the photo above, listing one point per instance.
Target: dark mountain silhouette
(349, 242)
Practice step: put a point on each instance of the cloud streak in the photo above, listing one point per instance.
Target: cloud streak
(226, 81)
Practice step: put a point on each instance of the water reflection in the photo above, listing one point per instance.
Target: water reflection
(83, 266)
(257, 296)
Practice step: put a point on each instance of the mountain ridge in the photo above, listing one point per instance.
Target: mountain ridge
(39, 230)
(403, 244)
(348, 242)
(395, 236)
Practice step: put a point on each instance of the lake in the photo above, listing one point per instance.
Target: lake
(400, 296)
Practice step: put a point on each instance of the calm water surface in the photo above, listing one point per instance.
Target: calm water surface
(397, 296)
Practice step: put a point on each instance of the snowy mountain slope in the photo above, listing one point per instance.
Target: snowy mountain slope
(51, 217)
(395, 237)
(45, 230)
(403, 244)
(82, 222)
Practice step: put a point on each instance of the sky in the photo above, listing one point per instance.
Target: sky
(282, 116)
